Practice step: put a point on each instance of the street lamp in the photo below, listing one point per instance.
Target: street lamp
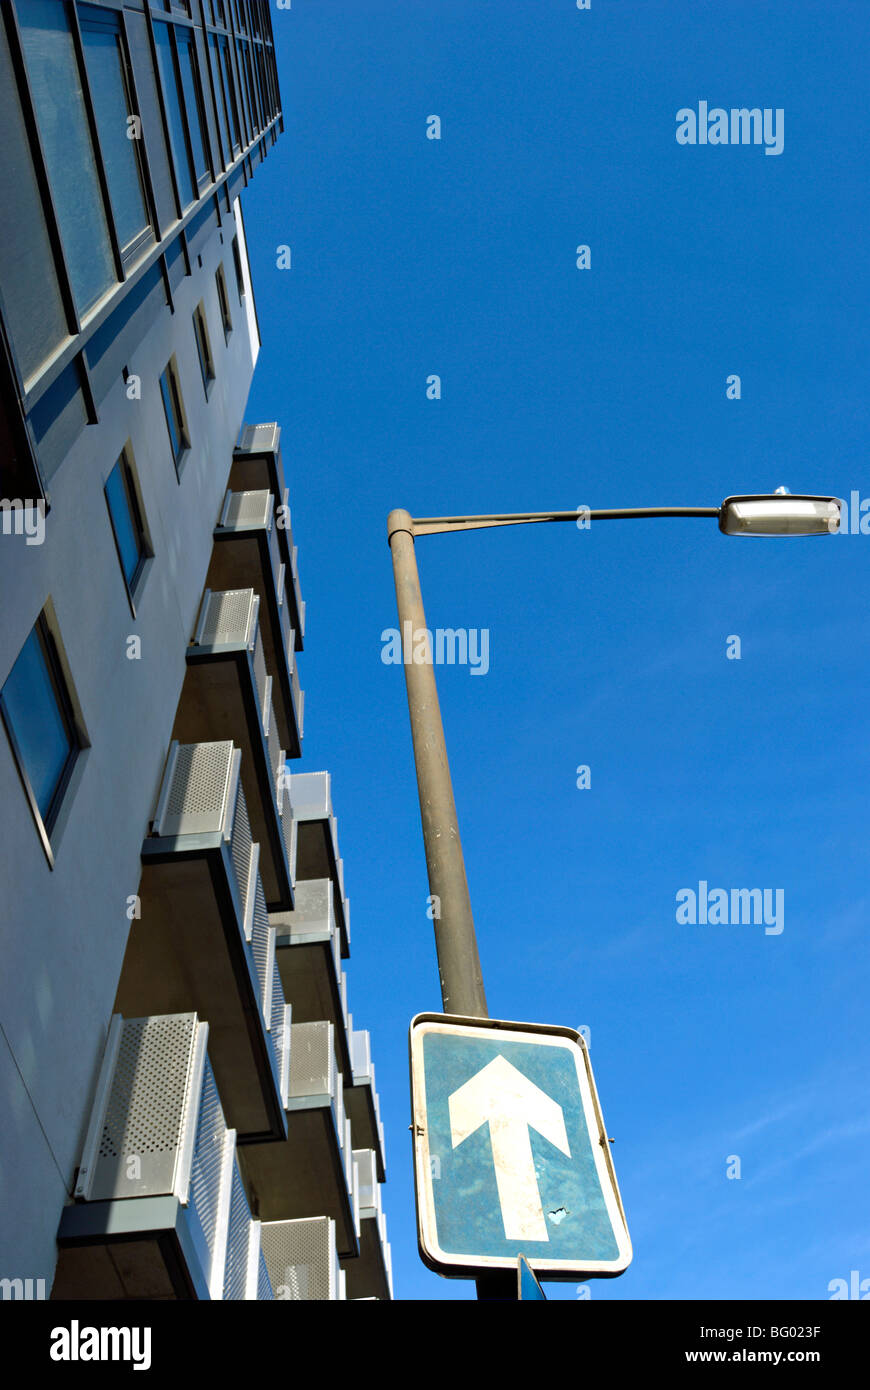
(462, 992)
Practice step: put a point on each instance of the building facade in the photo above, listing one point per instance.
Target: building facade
(189, 1111)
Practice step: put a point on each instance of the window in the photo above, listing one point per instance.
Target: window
(125, 514)
(110, 95)
(223, 301)
(37, 711)
(174, 410)
(237, 261)
(56, 86)
(174, 114)
(203, 347)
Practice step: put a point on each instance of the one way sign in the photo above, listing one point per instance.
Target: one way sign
(510, 1152)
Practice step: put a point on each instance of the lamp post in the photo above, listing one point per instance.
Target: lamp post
(462, 991)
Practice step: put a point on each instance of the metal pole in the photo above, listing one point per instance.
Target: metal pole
(455, 941)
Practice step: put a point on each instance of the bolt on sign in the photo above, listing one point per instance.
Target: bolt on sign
(511, 1156)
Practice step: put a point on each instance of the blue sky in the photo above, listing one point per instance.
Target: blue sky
(603, 387)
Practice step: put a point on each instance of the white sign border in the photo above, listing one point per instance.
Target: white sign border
(454, 1265)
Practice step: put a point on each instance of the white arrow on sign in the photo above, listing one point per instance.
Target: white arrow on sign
(511, 1104)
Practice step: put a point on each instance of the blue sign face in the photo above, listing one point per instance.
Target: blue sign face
(509, 1158)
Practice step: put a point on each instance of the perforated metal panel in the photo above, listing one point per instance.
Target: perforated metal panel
(312, 1063)
(194, 795)
(260, 439)
(208, 1160)
(276, 752)
(142, 1126)
(261, 679)
(241, 845)
(227, 617)
(301, 1258)
(263, 947)
(238, 1241)
(313, 910)
(264, 1283)
(245, 510)
(289, 830)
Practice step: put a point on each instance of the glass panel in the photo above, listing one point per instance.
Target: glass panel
(69, 156)
(172, 422)
(205, 366)
(189, 86)
(104, 61)
(222, 100)
(231, 93)
(124, 521)
(30, 703)
(31, 296)
(174, 115)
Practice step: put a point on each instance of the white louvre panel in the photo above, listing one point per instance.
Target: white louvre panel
(138, 1139)
(342, 989)
(245, 510)
(263, 948)
(237, 1267)
(262, 680)
(208, 1175)
(279, 1032)
(368, 1189)
(298, 692)
(294, 579)
(196, 787)
(274, 554)
(246, 857)
(276, 752)
(290, 831)
(263, 1283)
(301, 1258)
(312, 1060)
(284, 614)
(360, 1055)
(227, 617)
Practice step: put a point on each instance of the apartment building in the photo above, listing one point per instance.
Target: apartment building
(189, 1111)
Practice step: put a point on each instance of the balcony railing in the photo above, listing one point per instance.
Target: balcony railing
(361, 1097)
(161, 1208)
(302, 1259)
(202, 927)
(309, 959)
(310, 1173)
(247, 554)
(227, 694)
(370, 1275)
(257, 465)
(317, 853)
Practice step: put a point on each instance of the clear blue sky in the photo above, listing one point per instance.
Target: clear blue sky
(604, 387)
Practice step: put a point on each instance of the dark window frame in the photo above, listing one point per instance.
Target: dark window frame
(178, 426)
(46, 824)
(203, 348)
(134, 505)
(224, 302)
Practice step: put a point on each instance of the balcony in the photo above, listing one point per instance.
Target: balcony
(257, 465)
(361, 1098)
(311, 1172)
(309, 960)
(317, 854)
(203, 939)
(161, 1211)
(370, 1275)
(227, 694)
(302, 1259)
(246, 555)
